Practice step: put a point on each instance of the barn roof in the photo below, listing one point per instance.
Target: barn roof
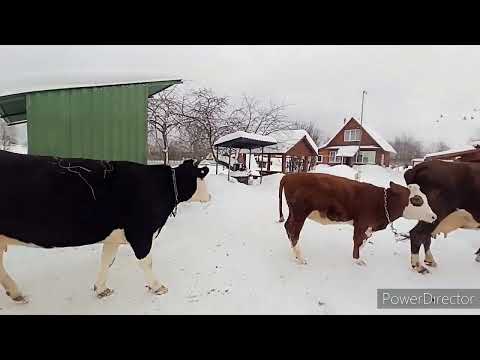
(286, 139)
(13, 96)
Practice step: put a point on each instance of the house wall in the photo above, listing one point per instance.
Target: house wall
(366, 140)
(352, 124)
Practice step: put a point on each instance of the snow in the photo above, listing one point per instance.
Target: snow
(451, 151)
(379, 139)
(347, 151)
(19, 149)
(231, 256)
(245, 135)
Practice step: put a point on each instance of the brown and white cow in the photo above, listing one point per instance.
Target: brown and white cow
(453, 191)
(329, 199)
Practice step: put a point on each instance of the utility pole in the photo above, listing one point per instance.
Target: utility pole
(364, 92)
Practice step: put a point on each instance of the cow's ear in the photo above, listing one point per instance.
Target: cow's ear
(395, 187)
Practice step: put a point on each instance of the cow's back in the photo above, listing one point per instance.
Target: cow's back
(337, 197)
(54, 202)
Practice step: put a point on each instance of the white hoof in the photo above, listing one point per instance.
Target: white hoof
(160, 291)
(360, 262)
(20, 299)
(301, 261)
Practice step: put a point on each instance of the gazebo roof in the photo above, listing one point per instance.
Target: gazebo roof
(244, 140)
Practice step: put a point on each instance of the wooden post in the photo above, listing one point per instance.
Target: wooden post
(268, 164)
(216, 163)
(261, 168)
(283, 163)
(250, 160)
(229, 157)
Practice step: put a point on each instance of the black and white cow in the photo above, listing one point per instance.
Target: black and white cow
(54, 202)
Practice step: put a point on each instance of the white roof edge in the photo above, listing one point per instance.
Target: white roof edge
(451, 151)
(79, 84)
(243, 134)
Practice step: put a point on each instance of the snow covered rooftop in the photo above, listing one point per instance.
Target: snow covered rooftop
(347, 151)
(452, 151)
(373, 133)
(286, 139)
(242, 139)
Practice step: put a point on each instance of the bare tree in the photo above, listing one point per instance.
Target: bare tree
(255, 117)
(206, 117)
(163, 119)
(407, 148)
(6, 138)
(312, 128)
(436, 147)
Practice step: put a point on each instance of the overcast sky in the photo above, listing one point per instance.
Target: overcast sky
(408, 86)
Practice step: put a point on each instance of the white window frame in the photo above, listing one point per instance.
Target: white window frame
(351, 135)
(320, 158)
(334, 159)
(359, 158)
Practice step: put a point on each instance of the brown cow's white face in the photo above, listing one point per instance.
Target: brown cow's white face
(418, 207)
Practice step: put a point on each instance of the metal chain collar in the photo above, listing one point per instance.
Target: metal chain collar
(174, 212)
(398, 236)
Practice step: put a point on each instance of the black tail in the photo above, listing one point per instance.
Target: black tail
(280, 191)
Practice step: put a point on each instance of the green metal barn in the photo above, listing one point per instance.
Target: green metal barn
(105, 121)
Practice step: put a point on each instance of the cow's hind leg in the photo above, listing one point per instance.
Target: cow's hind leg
(360, 234)
(294, 226)
(109, 252)
(478, 255)
(7, 282)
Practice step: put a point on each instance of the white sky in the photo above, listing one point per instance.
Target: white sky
(408, 86)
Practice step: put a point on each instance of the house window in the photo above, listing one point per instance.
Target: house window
(333, 158)
(320, 158)
(351, 135)
(365, 157)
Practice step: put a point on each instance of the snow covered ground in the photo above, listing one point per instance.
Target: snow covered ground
(230, 256)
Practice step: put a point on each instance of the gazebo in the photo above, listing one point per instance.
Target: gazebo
(243, 140)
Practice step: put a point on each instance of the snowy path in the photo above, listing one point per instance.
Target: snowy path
(231, 257)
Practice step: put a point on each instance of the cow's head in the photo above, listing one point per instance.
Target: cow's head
(415, 203)
(191, 182)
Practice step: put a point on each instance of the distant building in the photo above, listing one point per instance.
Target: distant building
(295, 151)
(355, 145)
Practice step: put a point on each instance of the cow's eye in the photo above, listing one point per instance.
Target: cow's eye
(416, 200)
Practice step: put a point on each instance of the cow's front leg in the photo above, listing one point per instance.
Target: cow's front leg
(418, 235)
(109, 252)
(146, 264)
(141, 243)
(360, 234)
(429, 260)
(8, 283)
